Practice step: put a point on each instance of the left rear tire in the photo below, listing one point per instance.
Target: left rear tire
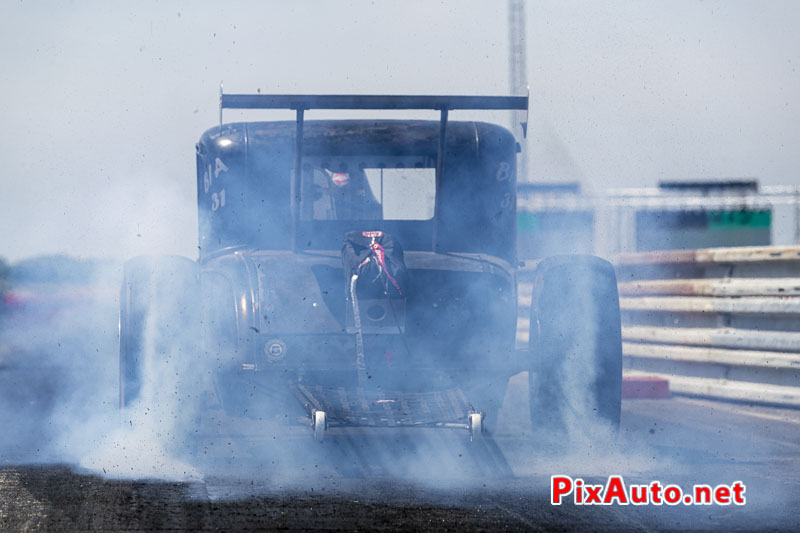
(160, 358)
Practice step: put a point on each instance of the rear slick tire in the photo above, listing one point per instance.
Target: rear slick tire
(575, 375)
(159, 323)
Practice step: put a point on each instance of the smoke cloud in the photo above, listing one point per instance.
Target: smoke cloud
(59, 400)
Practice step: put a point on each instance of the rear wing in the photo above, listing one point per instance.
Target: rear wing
(370, 101)
(303, 102)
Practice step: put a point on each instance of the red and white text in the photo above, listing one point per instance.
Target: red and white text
(616, 492)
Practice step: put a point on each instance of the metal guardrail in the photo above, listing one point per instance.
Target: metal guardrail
(719, 322)
(655, 198)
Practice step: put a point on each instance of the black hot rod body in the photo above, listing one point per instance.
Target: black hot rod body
(424, 336)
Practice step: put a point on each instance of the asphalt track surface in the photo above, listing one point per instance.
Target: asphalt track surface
(680, 440)
(367, 480)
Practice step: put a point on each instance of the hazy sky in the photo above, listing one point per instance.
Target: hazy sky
(102, 102)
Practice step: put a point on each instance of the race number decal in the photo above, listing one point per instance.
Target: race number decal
(219, 167)
(207, 179)
(507, 201)
(503, 171)
(218, 200)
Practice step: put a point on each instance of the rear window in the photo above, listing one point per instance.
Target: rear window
(368, 188)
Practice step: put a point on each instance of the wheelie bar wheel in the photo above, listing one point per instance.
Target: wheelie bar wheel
(319, 422)
(476, 428)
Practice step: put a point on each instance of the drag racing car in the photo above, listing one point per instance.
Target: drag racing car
(363, 272)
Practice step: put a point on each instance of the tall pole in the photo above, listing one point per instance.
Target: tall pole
(518, 78)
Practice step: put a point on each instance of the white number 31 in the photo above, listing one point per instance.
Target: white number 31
(218, 200)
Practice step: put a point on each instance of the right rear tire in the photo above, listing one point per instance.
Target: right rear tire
(575, 375)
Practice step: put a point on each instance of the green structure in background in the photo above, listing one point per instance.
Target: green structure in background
(527, 221)
(673, 229)
(679, 215)
(736, 220)
(685, 230)
(556, 231)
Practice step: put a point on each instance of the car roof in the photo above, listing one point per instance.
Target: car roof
(418, 136)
